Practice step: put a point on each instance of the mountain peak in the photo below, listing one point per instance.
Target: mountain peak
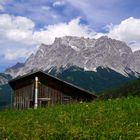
(14, 69)
(104, 37)
(82, 52)
(17, 65)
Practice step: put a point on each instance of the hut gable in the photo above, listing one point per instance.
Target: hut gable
(45, 90)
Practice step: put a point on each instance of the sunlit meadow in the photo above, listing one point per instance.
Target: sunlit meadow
(109, 119)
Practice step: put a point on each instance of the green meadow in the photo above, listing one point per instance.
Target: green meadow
(116, 119)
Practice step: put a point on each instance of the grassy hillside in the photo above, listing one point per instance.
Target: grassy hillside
(5, 92)
(5, 96)
(130, 88)
(99, 120)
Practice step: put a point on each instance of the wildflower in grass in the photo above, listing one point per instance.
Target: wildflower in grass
(138, 138)
(128, 97)
(81, 102)
(117, 120)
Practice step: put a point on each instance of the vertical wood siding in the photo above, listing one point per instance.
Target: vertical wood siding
(24, 96)
(51, 91)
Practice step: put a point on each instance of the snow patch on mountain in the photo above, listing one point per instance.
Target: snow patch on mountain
(82, 52)
(75, 48)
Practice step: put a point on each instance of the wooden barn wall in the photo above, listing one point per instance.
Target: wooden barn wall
(23, 97)
(66, 89)
(50, 93)
(53, 93)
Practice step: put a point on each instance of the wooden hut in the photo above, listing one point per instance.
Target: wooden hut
(41, 89)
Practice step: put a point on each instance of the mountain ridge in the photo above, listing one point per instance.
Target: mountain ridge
(82, 52)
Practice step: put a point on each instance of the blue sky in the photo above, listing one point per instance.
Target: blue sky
(25, 24)
(96, 13)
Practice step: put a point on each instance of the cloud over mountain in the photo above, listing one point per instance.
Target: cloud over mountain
(128, 30)
(21, 31)
(19, 36)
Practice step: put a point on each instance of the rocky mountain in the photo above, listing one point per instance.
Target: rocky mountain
(82, 52)
(14, 69)
(96, 82)
(4, 78)
(136, 64)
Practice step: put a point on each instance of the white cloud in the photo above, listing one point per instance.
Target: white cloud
(58, 3)
(97, 12)
(15, 22)
(21, 29)
(13, 54)
(15, 37)
(73, 28)
(135, 45)
(16, 28)
(20, 34)
(1, 8)
(45, 8)
(128, 30)
(19, 38)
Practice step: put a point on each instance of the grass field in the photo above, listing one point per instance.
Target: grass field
(117, 119)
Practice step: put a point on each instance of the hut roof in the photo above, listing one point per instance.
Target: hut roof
(40, 73)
